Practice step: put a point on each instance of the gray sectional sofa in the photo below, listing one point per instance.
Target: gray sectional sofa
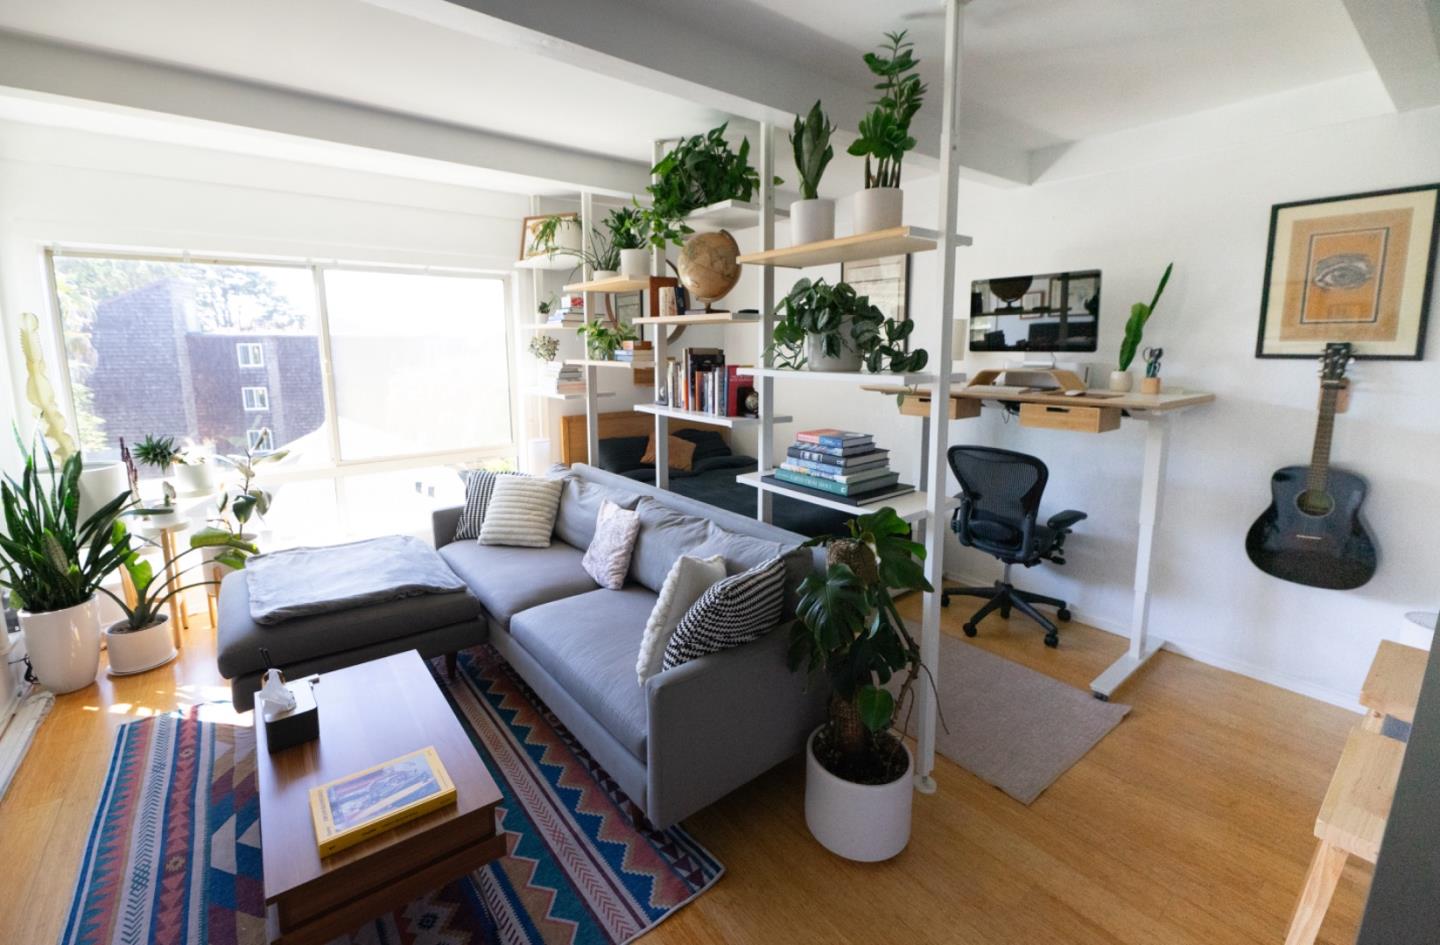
(686, 738)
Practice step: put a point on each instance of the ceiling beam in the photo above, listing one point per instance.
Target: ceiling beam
(1403, 40)
(37, 65)
(768, 75)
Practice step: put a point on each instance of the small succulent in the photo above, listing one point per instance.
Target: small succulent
(157, 451)
(545, 347)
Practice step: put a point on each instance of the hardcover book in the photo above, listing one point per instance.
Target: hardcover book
(840, 457)
(821, 484)
(353, 808)
(851, 479)
(837, 464)
(834, 439)
(859, 500)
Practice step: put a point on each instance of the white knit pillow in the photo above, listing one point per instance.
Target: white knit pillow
(689, 577)
(608, 557)
(521, 512)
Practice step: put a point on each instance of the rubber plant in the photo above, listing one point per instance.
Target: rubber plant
(1135, 326)
(847, 627)
(242, 502)
(885, 130)
(697, 172)
(49, 559)
(810, 141)
(152, 590)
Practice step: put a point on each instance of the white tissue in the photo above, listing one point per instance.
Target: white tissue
(278, 697)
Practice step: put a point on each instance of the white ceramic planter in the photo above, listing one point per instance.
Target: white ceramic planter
(1121, 381)
(812, 221)
(100, 483)
(817, 360)
(193, 479)
(878, 208)
(862, 822)
(64, 646)
(599, 274)
(635, 263)
(139, 650)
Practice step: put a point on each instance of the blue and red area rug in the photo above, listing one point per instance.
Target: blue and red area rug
(174, 853)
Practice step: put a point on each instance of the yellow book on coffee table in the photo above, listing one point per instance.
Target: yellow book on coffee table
(360, 805)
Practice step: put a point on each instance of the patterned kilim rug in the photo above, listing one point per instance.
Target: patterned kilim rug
(174, 852)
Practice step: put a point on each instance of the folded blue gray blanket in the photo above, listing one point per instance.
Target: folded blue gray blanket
(301, 582)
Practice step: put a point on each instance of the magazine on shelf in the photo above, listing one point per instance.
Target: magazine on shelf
(350, 809)
(859, 500)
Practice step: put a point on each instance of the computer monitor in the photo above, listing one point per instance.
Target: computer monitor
(1057, 311)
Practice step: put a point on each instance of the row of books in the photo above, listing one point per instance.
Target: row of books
(840, 464)
(700, 381)
(561, 378)
(636, 352)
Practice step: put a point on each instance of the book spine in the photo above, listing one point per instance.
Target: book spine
(836, 475)
(810, 482)
(840, 442)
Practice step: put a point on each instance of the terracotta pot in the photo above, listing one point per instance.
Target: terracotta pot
(64, 645)
(862, 822)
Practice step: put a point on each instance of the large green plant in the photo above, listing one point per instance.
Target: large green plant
(697, 172)
(628, 228)
(848, 628)
(1135, 326)
(152, 590)
(843, 321)
(245, 499)
(885, 131)
(50, 559)
(810, 140)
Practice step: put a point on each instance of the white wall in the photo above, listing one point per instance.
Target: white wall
(1210, 214)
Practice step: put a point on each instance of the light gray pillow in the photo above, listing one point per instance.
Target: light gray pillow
(580, 507)
(608, 557)
(521, 512)
(742, 552)
(665, 535)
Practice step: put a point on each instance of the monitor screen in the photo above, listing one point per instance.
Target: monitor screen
(1053, 312)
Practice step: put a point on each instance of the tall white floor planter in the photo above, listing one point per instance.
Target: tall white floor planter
(862, 822)
(64, 646)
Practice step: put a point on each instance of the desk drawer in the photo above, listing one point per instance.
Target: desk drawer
(914, 405)
(1081, 419)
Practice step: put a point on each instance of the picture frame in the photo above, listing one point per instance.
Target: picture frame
(885, 280)
(527, 232)
(1356, 268)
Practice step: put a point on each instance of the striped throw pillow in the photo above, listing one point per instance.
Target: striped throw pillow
(479, 486)
(521, 512)
(733, 611)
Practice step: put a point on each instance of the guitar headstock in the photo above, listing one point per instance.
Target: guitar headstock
(1333, 363)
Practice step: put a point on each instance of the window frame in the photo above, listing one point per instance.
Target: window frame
(259, 394)
(257, 348)
(260, 440)
(331, 466)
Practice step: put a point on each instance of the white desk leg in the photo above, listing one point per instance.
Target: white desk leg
(1157, 445)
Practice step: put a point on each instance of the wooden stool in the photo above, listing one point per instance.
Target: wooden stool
(1392, 687)
(1351, 823)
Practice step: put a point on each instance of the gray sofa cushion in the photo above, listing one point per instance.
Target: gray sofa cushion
(588, 644)
(579, 506)
(665, 535)
(239, 638)
(508, 580)
(741, 552)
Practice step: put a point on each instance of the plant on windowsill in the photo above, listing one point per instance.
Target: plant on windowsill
(846, 627)
(143, 638)
(812, 218)
(602, 340)
(158, 452)
(828, 327)
(52, 563)
(885, 133)
(194, 471)
(697, 172)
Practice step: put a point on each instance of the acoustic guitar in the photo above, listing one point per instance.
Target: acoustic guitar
(1313, 532)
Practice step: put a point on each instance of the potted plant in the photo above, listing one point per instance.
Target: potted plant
(235, 507)
(857, 776)
(143, 639)
(556, 234)
(885, 133)
(158, 452)
(630, 237)
(697, 172)
(53, 562)
(812, 218)
(1140, 313)
(602, 340)
(545, 347)
(194, 473)
(832, 328)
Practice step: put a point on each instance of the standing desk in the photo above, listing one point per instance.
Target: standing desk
(1091, 411)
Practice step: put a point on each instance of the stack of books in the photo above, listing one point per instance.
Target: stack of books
(702, 382)
(636, 352)
(560, 378)
(568, 310)
(840, 465)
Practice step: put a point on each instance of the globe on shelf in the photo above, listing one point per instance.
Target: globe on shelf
(709, 266)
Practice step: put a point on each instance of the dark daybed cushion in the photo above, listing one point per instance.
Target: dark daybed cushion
(588, 644)
(508, 580)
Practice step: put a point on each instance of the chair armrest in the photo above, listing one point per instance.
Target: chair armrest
(718, 722)
(1061, 521)
(443, 523)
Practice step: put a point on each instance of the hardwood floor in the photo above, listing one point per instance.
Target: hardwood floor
(1190, 824)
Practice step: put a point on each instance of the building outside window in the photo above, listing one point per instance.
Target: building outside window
(260, 440)
(250, 354)
(255, 398)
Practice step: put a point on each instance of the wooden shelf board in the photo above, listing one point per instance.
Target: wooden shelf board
(695, 416)
(700, 318)
(550, 263)
(617, 284)
(911, 507)
(627, 365)
(730, 214)
(891, 242)
(849, 377)
(541, 326)
(553, 395)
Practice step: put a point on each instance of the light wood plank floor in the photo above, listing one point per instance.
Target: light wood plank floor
(1190, 823)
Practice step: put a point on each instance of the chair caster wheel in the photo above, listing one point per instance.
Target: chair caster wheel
(1063, 613)
(944, 600)
(971, 629)
(1052, 641)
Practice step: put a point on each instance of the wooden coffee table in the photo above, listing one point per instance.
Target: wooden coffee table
(368, 714)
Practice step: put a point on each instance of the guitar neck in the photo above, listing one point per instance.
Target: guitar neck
(1319, 474)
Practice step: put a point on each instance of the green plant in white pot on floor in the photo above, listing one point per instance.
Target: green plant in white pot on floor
(52, 562)
(847, 629)
(1121, 380)
(885, 133)
(812, 218)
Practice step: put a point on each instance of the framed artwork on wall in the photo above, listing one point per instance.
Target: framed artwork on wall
(885, 280)
(1357, 268)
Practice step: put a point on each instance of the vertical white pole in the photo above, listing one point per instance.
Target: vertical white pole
(662, 424)
(765, 386)
(938, 480)
(592, 377)
(1157, 441)
(537, 408)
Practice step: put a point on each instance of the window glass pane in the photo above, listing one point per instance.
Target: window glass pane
(398, 503)
(301, 513)
(420, 362)
(175, 349)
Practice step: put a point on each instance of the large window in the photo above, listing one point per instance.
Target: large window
(377, 374)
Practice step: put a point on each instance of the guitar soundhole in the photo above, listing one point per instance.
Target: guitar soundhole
(1315, 503)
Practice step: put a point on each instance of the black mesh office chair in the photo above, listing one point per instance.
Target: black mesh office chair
(998, 513)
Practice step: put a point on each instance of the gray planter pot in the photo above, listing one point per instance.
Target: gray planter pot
(817, 360)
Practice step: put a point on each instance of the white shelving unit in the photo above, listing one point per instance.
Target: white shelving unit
(728, 215)
(559, 262)
(553, 395)
(912, 507)
(696, 416)
(841, 377)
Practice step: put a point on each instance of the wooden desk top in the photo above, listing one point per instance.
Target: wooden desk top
(1392, 687)
(368, 714)
(1177, 399)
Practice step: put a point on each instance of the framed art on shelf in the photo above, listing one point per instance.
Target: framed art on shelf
(564, 235)
(885, 280)
(1357, 269)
